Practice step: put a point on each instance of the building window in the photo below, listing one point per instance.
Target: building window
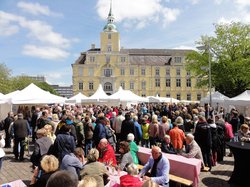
(178, 96)
(143, 95)
(122, 71)
(91, 71)
(92, 59)
(109, 36)
(189, 82)
(123, 85)
(178, 72)
(167, 72)
(143, 85)
(132, 72)
(132, 85)
(123, 59)
(198, 97)
(157, 83)
(168, 82)
(107, 72)
(143, 72)
(189, 97)
(178, 82)
(177, 59)
(167, 95)
(107, 59)
(157, 71)
(91, 86)
(108, 86)
(80, 86)
(109, 48)
(80, 71)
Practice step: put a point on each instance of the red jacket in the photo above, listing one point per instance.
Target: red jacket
(130, 181)
(107, 155)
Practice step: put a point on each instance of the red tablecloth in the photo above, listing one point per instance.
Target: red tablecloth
(188, 168)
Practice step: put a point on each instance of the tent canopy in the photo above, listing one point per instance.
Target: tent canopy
(127, 96)
(242, 99)
(157, 99)
(77, 98)
(217, 97)
(32, 94)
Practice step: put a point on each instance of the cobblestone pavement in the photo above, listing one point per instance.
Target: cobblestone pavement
(13, 170)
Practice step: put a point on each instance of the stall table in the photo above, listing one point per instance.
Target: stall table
(188, 168)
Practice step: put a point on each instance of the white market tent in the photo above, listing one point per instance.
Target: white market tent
(100, 97)
(157, 99)
(77, 98)
(241, 102)
(126, 96)
(217, 97)
(32, 94)
(7, 98)
(1, 95)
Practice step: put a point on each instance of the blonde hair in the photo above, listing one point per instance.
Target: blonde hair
(41, 132)
(244, 126)
(154, 119)
(150, 183)
(49, 163)
(93, 155)
(88, 181)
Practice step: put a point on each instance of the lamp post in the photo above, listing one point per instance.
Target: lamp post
(207, 47)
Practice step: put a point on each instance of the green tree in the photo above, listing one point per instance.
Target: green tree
(5, 74)
(20, 82)
(230, 59)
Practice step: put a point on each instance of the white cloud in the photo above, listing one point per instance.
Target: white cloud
(62, 76)
(224, 20)
(242, 3)
(185, 47)
(139, 13)
(36, 9)
(45, 52)
(48, 43)
(194, 1)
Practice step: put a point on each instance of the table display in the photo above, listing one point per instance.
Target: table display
(188, 168)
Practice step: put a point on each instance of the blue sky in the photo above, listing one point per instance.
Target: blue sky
(44, 37)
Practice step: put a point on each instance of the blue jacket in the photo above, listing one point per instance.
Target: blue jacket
(138, 130)
(162, 173)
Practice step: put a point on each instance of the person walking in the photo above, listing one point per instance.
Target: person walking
(21, 131)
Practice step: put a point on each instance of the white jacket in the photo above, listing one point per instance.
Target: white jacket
(2, 144)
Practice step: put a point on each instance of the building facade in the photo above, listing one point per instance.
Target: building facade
(146, 72)
(64, 91)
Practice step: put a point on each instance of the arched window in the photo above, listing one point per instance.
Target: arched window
(108, 86)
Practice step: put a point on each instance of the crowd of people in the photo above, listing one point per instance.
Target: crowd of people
(86, 140)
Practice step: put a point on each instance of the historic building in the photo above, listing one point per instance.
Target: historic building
(144, 71)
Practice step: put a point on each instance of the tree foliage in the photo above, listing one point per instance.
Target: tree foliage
(10, 84)
(230, 59)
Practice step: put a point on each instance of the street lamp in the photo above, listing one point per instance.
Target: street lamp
(207, 47)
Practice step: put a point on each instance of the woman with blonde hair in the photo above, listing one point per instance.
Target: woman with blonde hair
(88, 181)
(50, 132)
(153, 130)
(49, 165)
(95, 169)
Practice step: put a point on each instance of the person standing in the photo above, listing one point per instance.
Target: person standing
(2, 153)
(8, 120)
(21, 131)
(118, 125)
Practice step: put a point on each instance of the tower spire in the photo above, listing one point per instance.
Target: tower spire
(110, 26)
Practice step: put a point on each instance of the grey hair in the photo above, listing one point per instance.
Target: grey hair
(190, 136)
(132, 169)
(130, 137)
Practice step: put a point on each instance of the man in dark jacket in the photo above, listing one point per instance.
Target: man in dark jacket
(42, 146)
(128, 126)
(21, 131)
(7, 122)
(204, 139)
(99, 131)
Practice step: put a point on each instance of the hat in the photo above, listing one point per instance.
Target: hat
(69, 122)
